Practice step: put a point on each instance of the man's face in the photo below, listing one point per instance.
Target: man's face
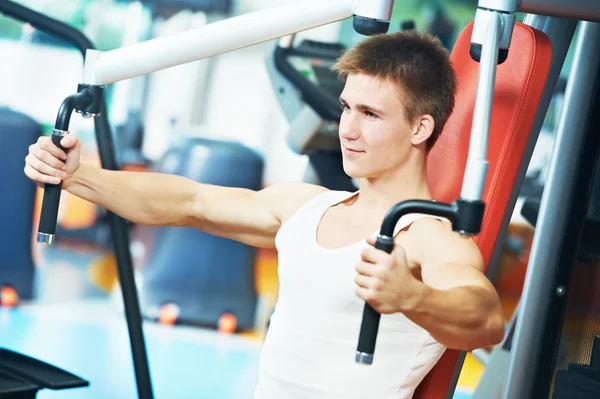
(374, 134)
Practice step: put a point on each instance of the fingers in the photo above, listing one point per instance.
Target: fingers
(43, 156)
(40, 178)
(368, 296)
(400, 254)
(363, 293)
(46, 144)
(44, 168)
(365, 268)
(367, 282)
(372, 270)
(372, 239)
(375, 255)
(69, 141)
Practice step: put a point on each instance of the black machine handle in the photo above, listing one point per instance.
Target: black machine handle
(87, 101)
(371, 318)
(49, 214)
(466, 217)
(51, 201)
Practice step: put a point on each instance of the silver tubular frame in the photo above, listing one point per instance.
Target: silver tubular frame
(552, 221)
(560, 31)
(496, 365)
(477, 163)
(584, 10)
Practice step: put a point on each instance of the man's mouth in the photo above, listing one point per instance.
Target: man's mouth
(352, 150)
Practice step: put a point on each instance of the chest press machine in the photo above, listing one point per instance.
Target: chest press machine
(502, 100)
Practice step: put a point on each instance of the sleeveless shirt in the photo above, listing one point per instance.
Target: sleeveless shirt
(309, 349)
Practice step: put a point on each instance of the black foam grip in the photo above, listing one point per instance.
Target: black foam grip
(51, 200)
(370, 321)
(368, 330)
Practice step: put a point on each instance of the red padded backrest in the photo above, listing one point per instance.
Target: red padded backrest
(519, 84)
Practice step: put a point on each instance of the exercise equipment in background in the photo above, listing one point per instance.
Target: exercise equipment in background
(308, 92)
(21, 376)
(17, 133)
(105, 148)
(573, 380)
(581, 381)
(190, 276)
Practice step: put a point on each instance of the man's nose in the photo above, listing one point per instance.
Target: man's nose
(349, 127)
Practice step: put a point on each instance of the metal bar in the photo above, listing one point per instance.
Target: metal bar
(571, 246)
(490, 383)
(560, 31)
(482, 356)
(553, 219)
(477, 164)
(121, 242)
(496, 365)
(103, 68)
(584, 10)
(49, 25)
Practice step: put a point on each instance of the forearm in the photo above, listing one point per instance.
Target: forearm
(143, 198)
(465, 318)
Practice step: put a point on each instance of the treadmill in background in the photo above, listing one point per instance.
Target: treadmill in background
(308, 92)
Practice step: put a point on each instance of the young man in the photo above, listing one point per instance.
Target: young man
(431, 291)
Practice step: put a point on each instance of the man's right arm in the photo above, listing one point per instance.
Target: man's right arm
(244, 215)
(252, 217)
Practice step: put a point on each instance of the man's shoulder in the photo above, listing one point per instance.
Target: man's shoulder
(434, 240)
(430, 225)
(287, 198)
(425, 230)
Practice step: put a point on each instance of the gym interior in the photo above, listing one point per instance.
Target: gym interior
(118, 310)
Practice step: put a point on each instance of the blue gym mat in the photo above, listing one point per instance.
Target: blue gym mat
(91, 341)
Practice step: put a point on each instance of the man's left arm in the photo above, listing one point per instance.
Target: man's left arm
(453, 300)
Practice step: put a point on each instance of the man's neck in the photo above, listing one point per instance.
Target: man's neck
(408, 183)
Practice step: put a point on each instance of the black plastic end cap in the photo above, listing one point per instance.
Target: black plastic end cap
(475, 53)
(370, 27)
(385, 243)
(469, 216)
(97, 93)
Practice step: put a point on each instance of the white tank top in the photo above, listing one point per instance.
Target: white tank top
(310, 347)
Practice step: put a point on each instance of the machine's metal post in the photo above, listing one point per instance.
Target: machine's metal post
(490, 45)
(552, 221)
(584, 10)
(496, 365)
(476, 169)
(560, 31)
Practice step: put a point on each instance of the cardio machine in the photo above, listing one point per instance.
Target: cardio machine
(308, 93)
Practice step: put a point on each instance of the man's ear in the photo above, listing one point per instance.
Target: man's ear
(423, 128)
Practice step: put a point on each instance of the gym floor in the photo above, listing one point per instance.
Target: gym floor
(75, 324)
